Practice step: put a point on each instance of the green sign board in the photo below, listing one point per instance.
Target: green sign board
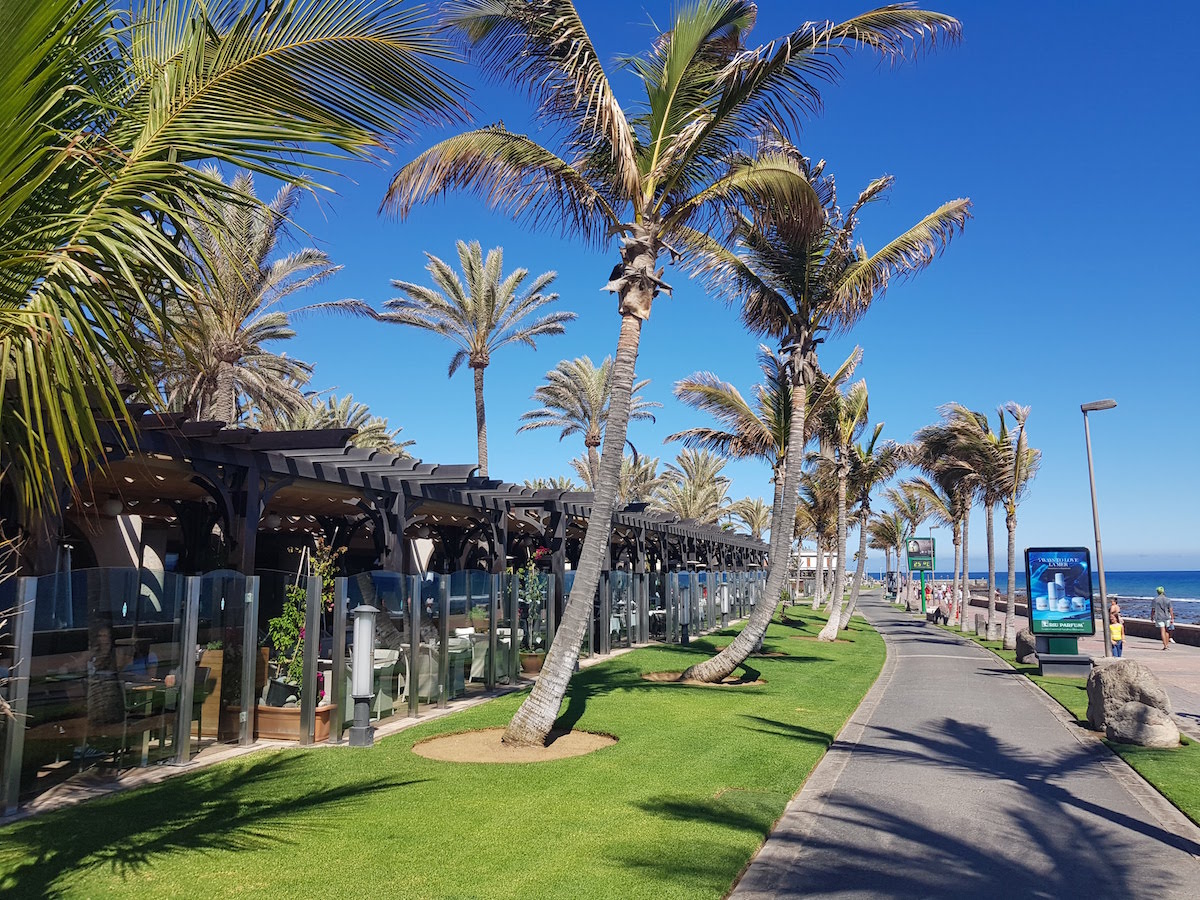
(920, 554)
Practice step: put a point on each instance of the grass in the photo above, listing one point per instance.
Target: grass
(1173, 773)
(674, 810)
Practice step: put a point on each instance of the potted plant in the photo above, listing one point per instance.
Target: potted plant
(532, 596)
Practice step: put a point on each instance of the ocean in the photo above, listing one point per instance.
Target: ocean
(1134, 590)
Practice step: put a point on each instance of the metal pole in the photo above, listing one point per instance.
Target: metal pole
(1087, 439)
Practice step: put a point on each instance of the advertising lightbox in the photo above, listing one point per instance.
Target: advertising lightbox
(1058, 583)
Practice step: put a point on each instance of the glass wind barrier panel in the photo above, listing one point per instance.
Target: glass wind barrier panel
(587, 645)
(282, 643)
(473, 593)
(223, 619)
(619, 607)
(389, 593)
(656, 598)
(104, 663)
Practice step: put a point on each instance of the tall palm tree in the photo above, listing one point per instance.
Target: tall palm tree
(753, 513)
(943, 509)
(871, 464)
(818, 496)
(217, 364)
(654, 178)
(913, 508)
(693, 487)
(105, 125)
(888, 529)
(487, 312)
(575, 400)
(842, 423)
(1023, 462)
(800, 276)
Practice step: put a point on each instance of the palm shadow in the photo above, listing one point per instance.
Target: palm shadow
(198, 812)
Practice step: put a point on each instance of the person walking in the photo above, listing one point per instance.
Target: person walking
(1163, 613)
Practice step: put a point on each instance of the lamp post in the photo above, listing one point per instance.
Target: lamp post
(362, 673)
(1087, 438)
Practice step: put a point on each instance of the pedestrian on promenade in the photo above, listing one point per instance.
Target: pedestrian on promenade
(1117, 630)
(1163, 613)
(1115, 608)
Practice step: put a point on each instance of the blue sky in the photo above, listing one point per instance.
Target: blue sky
(1073, 134)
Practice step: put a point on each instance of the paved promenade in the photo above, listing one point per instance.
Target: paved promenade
(958, 778)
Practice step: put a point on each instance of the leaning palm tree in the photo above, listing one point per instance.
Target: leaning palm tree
(480, 313)
(800, 277)
(943, 509)
(575, 400)
(888, 529)
(842, 423)
(818, 498)
(108, 114)
(753, 513)
(1023, 463)
(655, 178)
(871, 464)
(218, 364)
(693, 487)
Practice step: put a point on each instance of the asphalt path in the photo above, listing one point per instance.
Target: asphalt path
(958, 778)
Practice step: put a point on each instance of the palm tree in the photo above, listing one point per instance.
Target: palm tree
(655, 179)
(486, 313)
(1023, 463)
(801, 276)
(106, 125)
(217, 365)
(871, 464)
(693, 487)
(913, 508)
(753, 513)
(640, 478)
(557, 483)
(370, 432)
(943, 509)
(887, 529)
(575, 400)
(842, 423)
(818, 497)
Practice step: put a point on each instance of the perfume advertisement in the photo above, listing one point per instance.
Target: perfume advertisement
(1058, 582)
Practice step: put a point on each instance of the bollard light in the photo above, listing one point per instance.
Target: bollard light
(362, 674)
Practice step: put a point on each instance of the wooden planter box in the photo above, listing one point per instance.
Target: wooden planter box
(282, 723)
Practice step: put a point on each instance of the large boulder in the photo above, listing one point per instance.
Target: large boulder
(1111, 686)
(1146, 726)
(1026, 647)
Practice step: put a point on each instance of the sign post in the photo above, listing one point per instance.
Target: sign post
(920, 559)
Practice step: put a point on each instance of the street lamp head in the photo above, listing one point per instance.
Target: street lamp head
(1097, 405)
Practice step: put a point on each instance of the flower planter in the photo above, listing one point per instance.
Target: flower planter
(282, 723)
(531, 663)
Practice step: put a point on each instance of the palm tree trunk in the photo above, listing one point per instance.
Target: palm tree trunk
(224, 400)
(858, 571)
(782, 524)
(481, 423)
(818, 578)
(594, 465)
(955, 606)
(829, 632)
(966, 577)
(1010, 614)
(990, 511)
(533, 721)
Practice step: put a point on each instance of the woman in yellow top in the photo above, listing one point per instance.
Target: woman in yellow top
(1117, 631)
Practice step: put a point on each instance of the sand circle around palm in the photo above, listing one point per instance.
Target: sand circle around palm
(485, 746)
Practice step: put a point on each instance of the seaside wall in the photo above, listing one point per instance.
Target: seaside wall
(1143, 628)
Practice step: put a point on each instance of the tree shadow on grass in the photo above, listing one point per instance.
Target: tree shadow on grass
(789, 729)
(250, 806)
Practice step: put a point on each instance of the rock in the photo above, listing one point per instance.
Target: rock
(1111, 686)
(1146, 726)
(1026, 647)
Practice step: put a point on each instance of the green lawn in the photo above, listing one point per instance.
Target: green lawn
(675, 809)
(1174, 773)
